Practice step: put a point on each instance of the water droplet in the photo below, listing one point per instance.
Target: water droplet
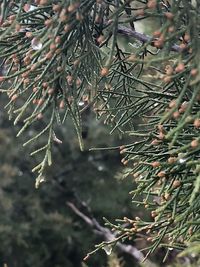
(81, 103)
(181, 158)
(100, 168)
(107, 249)
(36, 44)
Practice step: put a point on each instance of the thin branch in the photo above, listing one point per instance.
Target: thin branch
(142, 37)
(109, 236)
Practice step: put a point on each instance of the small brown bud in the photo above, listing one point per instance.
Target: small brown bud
(153, 214)
(25, 74)
(159, 43)
(180, 67)
(12, 17)
(186, 37)
(172, 104)
(40, 101)
(63, 18)
(17, 27)
(67, 28)
(69, 79)
(14, 97)
(171, 29)
(176, 114)
(125, 162)
(57, 8)
(44, 84)
(27, 60)
(157, 33)
(194, 143)
(33, 67)
(151, 4)
(136, 175)
(171, 160)
(72, 8)
(49, 55)
(167, 196)
(167, 79)
(50, 91)
(43, 2)
(48, 22)
(58, 40)
(104, 71)
(62, 104)
(184, 106)
(194, 72)
(161, 136)
(160, 127)
(78, 82)
(183, 46)
(100, 39)
(176, 184)
(131, 58)
(161, 174)
(155, 164)
(39, 116)
(122, 147)
(79, 16)
(58, 51)
(190, 231)
(29, 34)
(26, 81)
(196, 123)
(76, 62)
(155, 142)
(52, 47)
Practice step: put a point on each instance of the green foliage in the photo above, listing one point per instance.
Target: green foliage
(66, 57)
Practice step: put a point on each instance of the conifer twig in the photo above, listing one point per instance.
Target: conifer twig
(109, 236)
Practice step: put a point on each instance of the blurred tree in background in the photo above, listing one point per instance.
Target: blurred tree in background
(37, 228)
(63, 62)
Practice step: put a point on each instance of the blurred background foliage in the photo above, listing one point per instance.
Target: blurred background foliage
(37, 228)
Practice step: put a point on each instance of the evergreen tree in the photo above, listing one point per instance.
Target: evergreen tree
(63, 58)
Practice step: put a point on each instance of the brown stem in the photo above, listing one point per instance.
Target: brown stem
(142, 37)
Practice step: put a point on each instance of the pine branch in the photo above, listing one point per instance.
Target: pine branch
(109, 236)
